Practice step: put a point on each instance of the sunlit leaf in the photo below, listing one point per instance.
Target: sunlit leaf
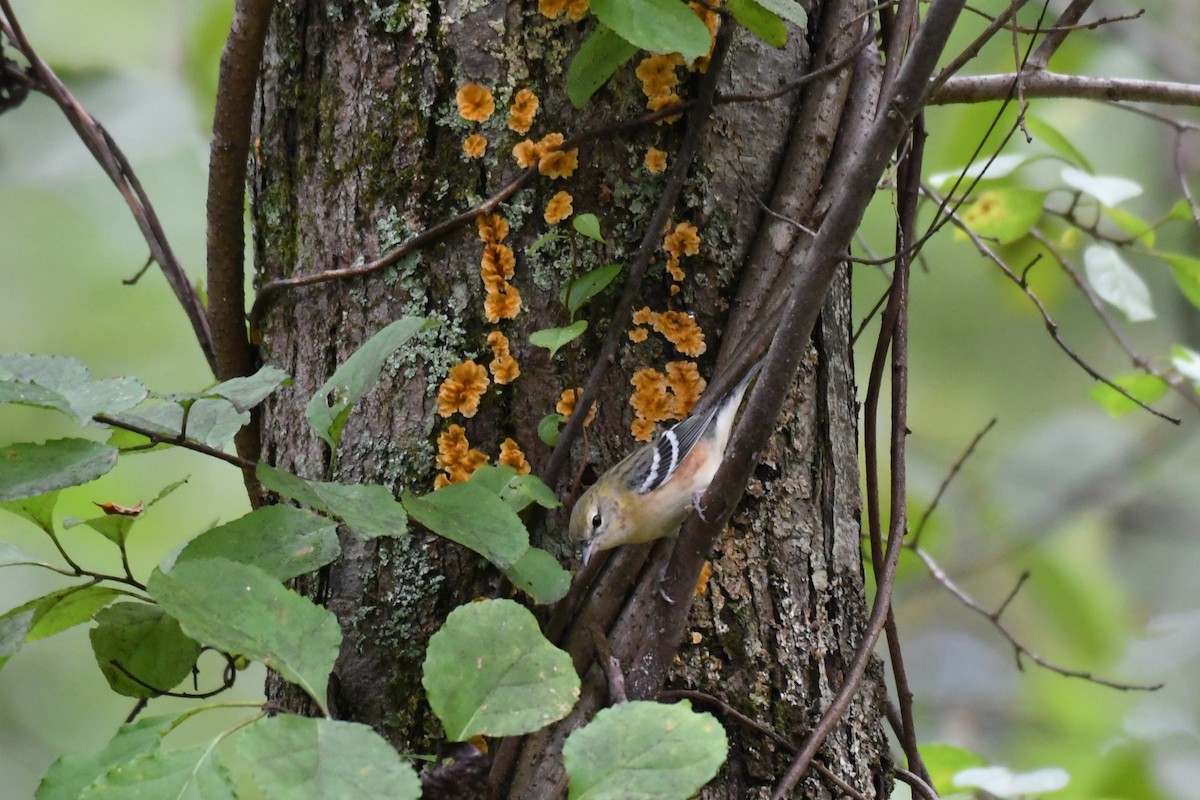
(63, 609)
(944, 761)
(660, 26)
(1138, 229)
(1110, 190)
(643, 749)
(1187, 361)
(28, 469)
(1187, 274)
(1116, 282)
(588, 225)
(489, 670)
(1004, 214)
(1142, 386)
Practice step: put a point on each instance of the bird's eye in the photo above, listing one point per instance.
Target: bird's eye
(596, 520)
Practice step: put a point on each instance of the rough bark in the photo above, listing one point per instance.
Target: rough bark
(359, 148)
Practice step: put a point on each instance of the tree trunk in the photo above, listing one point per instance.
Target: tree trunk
(360, 147)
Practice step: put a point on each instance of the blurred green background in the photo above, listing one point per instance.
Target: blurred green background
(1102, 511)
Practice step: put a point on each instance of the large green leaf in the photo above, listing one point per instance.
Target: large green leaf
(147, 643)
(369, 510)
(66, 608)
(329, 408)
(242, 609)
(28, 469)
(1005, 214)
(211, 420)
(70, 775)
(194, 773)
(600, 55)
(64, 384)
(646, 750)
(300, 758)
(475, 517)
(281, 540)
(490, 671)
(660, 26)
(588, 285)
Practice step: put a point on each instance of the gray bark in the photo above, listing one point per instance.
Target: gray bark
(360, 147)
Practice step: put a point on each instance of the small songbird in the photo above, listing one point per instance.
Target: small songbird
(647, 495)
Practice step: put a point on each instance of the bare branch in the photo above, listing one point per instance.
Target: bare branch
(954, 469)
(1042, 84)
(158, 437)
(110, 158)
(1019, 649)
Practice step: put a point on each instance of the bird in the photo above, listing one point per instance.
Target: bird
(648, 494)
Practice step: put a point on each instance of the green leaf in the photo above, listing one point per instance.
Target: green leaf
(1181, 211)
(1145, 387)
(64, 384)
(1187, 274)
(56, 612)
(283, 541)
(1050, 136)
(660, 26)
(1137, 228)
(193, 773)
(539, 575)
(522, 490)
(212, 421)
(1116, 283)
(14, 627)
(70, 775)
(1110, 190)
(115, 527)
(542, 241)
(642, 749)
(588, 285)
(1005, 214)
(473, 516)
(300, 758)
(12, 557)
(489, 670)
(764, 24)
(148, 643)
(241, 609)
(555, 338)
(548, 428)
(247, 392)
(588, 225)
(788, 9)
(944, 760)
(369, 510)
(38, 509)
(329, 408)
(600, 55)
(493, 477)
(28, 469)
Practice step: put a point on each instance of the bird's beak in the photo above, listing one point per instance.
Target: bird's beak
(588, 551)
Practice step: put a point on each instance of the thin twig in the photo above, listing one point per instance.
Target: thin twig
(915, 539)
(158, 437)
(112, 160)
(1047, 320)
(228, 679)
(1019, 649)
(914, 781)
